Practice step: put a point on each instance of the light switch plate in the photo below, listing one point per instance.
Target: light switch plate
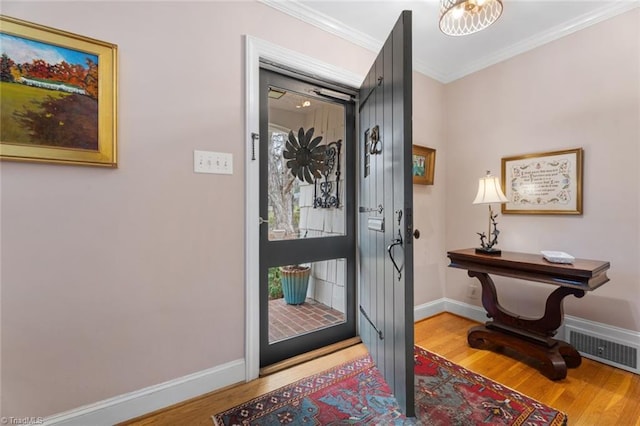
(213, 162)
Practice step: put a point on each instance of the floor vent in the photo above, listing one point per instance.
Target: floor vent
(606, 351)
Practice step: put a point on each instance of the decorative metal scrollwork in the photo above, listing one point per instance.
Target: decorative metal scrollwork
(327, 198)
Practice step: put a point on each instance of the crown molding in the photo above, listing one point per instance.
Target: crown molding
(555, 33)
(306, 14)
(324, 22)
(422, 67)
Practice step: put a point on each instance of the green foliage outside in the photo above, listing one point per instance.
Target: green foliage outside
(296, 217)
(275, 285)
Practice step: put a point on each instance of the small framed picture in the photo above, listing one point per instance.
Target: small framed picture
(544, 183)
(424, 164)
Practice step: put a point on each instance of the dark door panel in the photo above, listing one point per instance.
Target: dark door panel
(386, 255)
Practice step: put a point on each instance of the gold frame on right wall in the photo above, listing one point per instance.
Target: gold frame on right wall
(543, 183)
(424, 165)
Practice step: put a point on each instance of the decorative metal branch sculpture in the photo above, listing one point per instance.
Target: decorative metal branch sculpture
(493, 240)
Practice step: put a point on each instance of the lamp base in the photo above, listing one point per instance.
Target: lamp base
(491, 251)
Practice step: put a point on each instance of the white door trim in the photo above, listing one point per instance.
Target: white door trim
(256, 49)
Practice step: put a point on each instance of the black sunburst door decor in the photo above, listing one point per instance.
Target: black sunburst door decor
(310, 161)
(306, 156)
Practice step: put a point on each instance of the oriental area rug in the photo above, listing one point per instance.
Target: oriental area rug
(355, 393)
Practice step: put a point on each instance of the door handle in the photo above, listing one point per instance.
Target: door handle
(395, 242)
(416, 234)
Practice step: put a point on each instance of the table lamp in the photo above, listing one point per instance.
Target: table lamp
(489, 191)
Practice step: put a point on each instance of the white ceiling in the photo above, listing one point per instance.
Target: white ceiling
(524, 25)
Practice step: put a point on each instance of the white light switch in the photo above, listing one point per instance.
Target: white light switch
(213, 162)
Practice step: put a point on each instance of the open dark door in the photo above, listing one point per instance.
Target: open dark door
(386, 213)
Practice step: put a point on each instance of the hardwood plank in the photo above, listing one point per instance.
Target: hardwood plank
(592, 394)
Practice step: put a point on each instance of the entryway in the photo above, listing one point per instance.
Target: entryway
(385, 296)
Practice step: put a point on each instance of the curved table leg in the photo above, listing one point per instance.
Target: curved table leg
(551, 362)
(571, 356)
(529, 336)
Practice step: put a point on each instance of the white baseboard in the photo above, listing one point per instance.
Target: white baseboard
(472, 312)
(429, 309)
(147, 400)
(620, 334)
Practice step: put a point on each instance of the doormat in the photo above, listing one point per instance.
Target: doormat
(356, 393)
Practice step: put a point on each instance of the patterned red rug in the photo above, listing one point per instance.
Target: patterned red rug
(355, 393)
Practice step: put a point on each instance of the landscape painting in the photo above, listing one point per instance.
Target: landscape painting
(58, 96)
(423, 165)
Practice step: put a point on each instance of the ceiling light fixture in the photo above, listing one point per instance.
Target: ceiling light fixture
(462, 17)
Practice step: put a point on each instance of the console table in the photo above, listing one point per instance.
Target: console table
(529, 336)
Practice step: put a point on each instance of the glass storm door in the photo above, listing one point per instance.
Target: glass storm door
(307, 233)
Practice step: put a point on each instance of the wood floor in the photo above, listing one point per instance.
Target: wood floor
(593, 394)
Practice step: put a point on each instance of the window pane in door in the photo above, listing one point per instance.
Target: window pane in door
(305, 166)
(306, 298)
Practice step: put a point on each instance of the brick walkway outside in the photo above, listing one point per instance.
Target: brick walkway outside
(290, 320)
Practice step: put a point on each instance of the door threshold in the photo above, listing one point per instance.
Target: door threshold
(308, 356)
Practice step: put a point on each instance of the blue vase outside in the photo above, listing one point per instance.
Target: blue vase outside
(294, 285)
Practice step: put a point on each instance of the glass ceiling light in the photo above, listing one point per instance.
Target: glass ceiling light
(462, 17)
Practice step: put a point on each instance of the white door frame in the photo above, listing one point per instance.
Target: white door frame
(256, 49)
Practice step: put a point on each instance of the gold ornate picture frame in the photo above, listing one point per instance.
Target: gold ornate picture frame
(544, 183)
(58, 92)
(424, 164)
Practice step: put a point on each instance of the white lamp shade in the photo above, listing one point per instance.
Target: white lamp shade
(489, 191)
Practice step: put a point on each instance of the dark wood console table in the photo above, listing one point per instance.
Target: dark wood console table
(529, 336)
